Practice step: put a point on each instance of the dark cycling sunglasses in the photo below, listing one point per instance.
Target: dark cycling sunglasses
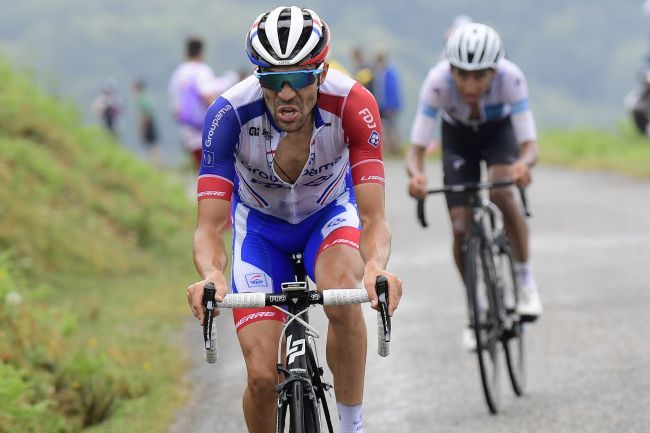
(296, 79)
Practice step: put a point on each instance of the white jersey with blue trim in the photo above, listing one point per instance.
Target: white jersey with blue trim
(507, 96)
(240, 140)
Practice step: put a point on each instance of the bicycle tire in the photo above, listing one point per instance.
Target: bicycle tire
(514, 341)
(296, 409)
(303, 411)
(478, 268)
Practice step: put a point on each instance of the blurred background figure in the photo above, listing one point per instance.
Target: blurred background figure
(192, 88)
(459, 20)
(338, 66)
(362, 70)
(637, 101)
(387, 90)
(147, 130)
(108, 106)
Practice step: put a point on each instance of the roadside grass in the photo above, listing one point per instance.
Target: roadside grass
(95, 253)
(623, 150)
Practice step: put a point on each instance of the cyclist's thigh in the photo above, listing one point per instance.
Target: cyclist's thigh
(500, 143)
(461, 157)
(258, 265)
(259, 345)
(332, 253)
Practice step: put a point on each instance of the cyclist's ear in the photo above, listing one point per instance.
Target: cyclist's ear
(321, 77)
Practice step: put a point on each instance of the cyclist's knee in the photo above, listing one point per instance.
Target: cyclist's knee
(502, 197)
(459, 227)
(262, 381)
(345, 316)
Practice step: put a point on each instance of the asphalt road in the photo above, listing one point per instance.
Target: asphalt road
(589, 355)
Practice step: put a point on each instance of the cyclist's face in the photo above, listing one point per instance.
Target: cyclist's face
(472, 85)
(291, 109)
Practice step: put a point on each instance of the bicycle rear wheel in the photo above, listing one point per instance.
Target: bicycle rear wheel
(479, 268)
(514, 342)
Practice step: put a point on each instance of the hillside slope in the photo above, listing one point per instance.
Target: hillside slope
(95, 250)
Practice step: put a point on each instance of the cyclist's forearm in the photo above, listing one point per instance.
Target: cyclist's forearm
(528, 153)
(375, 244)
(415, 160)
(209, 251)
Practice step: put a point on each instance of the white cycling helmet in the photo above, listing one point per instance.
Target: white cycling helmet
(287, 36)
(474, 46)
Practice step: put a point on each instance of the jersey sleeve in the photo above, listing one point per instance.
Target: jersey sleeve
(362, 129)
(426, 116)
(515, 90)
(220, 136)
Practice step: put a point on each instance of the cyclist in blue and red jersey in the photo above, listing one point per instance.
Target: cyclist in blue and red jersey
(481, 100)
(293, 155)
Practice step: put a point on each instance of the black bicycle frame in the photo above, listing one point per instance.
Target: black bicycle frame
(301, 367)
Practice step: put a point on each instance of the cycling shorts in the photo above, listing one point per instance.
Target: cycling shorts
(463, 148)
(262, 246)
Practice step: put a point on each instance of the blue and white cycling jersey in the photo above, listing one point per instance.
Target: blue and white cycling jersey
(507, 96)
(240, 139)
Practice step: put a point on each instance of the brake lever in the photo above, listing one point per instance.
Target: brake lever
(420, 212)
(381, 285)
(209, 292)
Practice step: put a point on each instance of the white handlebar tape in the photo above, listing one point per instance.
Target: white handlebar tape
(243, 300)
(210, 354)
(383, 347)
(344, 296)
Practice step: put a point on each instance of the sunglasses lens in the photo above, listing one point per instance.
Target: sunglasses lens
(297, 80)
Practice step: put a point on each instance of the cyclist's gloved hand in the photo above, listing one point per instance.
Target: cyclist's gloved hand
(521, 173)
(418, 186)
(394, 288)
(195, 294)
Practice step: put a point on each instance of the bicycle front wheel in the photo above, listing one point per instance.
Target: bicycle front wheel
(479, 270)
(296, 409)
(514, 342)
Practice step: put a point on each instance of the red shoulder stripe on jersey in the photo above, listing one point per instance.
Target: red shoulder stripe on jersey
(331, 103)
(212, 186)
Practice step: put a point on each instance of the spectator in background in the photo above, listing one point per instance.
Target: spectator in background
(108, 106)
(362, 71)
(146, 124)
(386, 84)
(192, 88)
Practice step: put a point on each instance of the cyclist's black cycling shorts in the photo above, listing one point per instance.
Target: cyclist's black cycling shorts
(463, 148)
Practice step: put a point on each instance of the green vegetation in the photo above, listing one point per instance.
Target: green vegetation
(94, 256)
(624, 150)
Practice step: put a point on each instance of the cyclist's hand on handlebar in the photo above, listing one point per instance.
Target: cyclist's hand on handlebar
(521, 174)
(394, 289)
(195, 294)
(418, 186)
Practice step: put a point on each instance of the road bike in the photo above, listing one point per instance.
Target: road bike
(301, 392)
(492, 290)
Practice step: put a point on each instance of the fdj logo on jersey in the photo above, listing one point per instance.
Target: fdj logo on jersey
(374, 138)
(256, 280)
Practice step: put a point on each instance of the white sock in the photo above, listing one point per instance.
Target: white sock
(350, 418)
(524, 273)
